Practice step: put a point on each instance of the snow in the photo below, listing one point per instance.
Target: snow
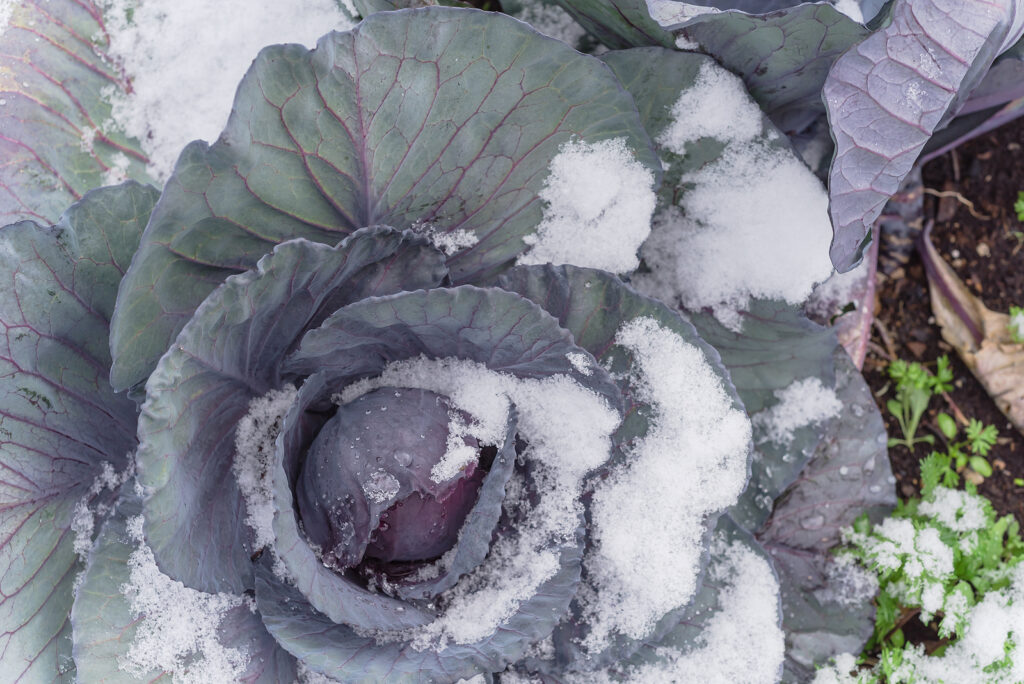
(958, 510)
(670, 12)
(568, 429)
(599, 201)
(179, 95)
(176, 628)
(752, 223)
(996, 621)
(381, 487)
(895, 543)
(850, 8)
(551, 20)
(581, 362)
(740, 643)
(804, 402)
(1017, 324)
(255, 438)
(847, 583)
(83, 521)
(839, 290)
(648, 515)
(6, 10)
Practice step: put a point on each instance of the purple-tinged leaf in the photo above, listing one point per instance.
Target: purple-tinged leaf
(594, 306)
(55, 139)
(846, 302)
(105, 625)
(228, 354)
(438, 119)
(59, 418)
(778, 346)
(619, 24)
(783, 56)
(889, 94)
(849, 475)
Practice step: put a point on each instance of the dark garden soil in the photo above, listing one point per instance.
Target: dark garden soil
(970, 194)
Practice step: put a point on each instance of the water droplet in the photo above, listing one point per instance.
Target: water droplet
(3, 102)
(843, 470)
(813, 522)
(874, 489)
(403, 458)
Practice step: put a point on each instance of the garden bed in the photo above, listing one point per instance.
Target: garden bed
(969, 193)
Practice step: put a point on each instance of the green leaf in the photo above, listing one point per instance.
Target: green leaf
(947, 425)
(980, 466)
(59, 418)
(56, 141)
(105, 625)
(435, 118)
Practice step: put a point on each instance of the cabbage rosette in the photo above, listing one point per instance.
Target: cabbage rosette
(377, 437)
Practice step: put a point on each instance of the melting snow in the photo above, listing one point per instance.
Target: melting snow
(804, 402)
(177, 627)
(255, 439)
(648, 516)
(181, 95)
(753, 223)
(599, 205)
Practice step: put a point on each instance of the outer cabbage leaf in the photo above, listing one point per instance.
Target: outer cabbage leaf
(654, 661)
(783, 56)
(105, 627)
(228, 354)
(849, 474)
(55, 137)
(619, 24)
(593, 306)
(59, 419)
(777, 347)
(656, 77)
(890, 93)
(337, 651)
(437, 118)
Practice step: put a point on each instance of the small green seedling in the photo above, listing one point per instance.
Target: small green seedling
(944, 468)
(915, 387)
(1018, 206)
(1016, 324)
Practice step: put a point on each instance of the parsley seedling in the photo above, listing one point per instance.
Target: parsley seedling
(915, 387)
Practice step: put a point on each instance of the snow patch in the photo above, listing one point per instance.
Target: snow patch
(552, 21)
(648, 515)
(599, 201)
(181, 95)
(804, 402)
(581, 363)
(958, 510)
(850, 8)
(752, 223)
(176, 628)
(255, 442)
(741, 641)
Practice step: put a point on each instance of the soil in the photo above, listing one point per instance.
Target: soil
(969, 193)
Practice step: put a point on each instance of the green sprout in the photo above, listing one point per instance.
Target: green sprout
(1018, 206)
(915, 387)
(1016, 324)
